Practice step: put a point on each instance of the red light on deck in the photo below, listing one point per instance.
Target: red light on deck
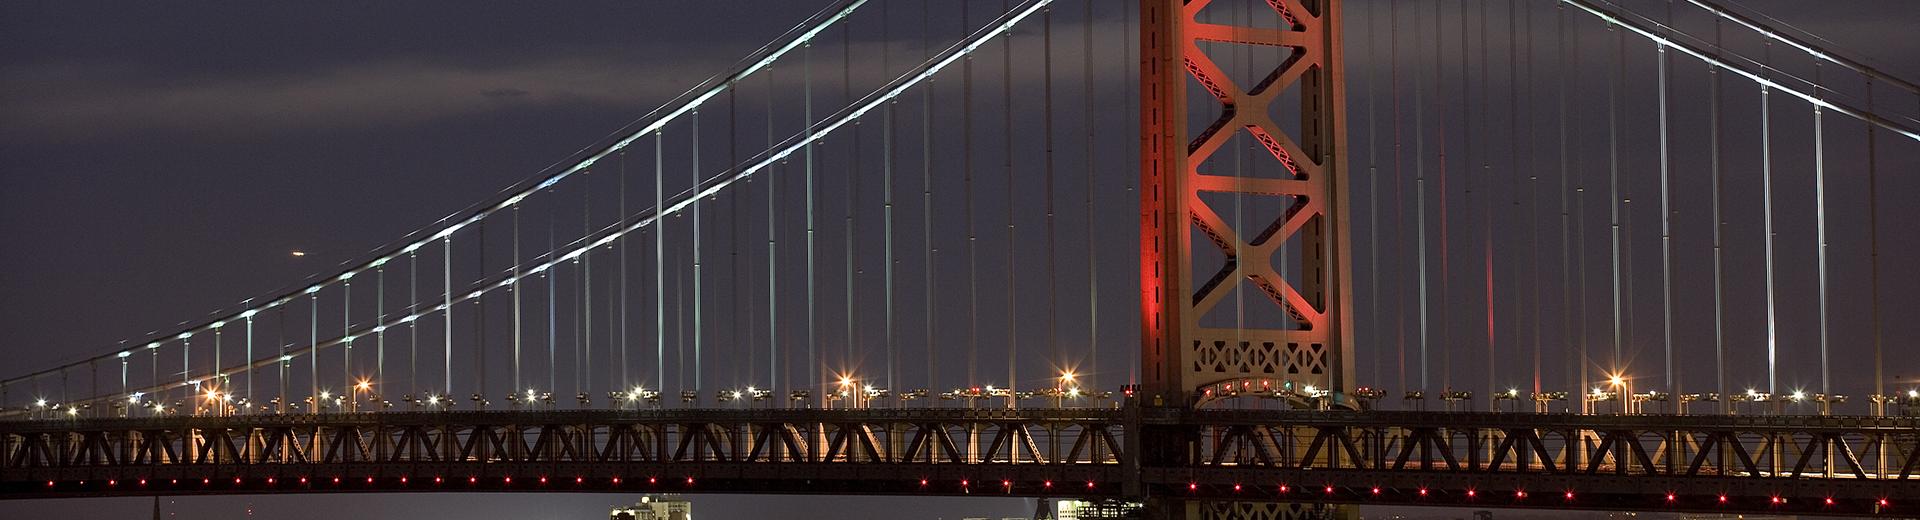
(1236, 488)
(1883, 502)
(653, 480)
(269, 481)
(1192, 486)
(1047, 484)
(1472, 493)
(1376, 491)
(1423, 492)
(1778, 500)
(923, 482)
(1329, 490)
(1089, 484)
(49, 483)
(508, 479)
(303, 480)
(1670, 497)
(113, 482)
(543, 480)
(689, 481)
(236, 481)
(963, 482)
(1283, 488)
(403, 480)
(436, 480)
(1006, 483)
(1829, 500)
(471, 480)
(579, 480)
(1569, 495)
(1723, 499)
(616, 481)
(143, 482)
(206, 481)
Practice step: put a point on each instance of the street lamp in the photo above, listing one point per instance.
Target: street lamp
(1624, 390)
(364, 386)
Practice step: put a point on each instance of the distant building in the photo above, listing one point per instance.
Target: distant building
(1097, 510)
(655, 507)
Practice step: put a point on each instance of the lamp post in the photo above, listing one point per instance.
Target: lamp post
(364, 386)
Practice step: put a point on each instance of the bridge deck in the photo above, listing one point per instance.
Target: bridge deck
(1758, 463)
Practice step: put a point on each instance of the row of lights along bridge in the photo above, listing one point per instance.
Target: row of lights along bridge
(854, 393)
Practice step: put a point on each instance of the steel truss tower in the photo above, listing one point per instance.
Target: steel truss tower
(1183, 362)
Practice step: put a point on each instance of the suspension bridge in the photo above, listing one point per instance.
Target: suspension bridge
(883, 254)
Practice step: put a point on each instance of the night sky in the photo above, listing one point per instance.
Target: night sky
(158, 165)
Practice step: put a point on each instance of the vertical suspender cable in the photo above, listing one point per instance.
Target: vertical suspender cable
(1533, 198)
(250, 369)
(1420, 204)
(1440, 160)
(215, 377)
(479, 328)
(1486, 211)
(284, 364)
(1613, 197)
(697, 300)
(1713, 151)
(1399, 217)
(1873, 252)
(1046, 111)
(313, 359)
(346, 334)
(611, 317)
(1567, 288)
(1093, 267)
(553, 302)
(1006, 102)
(966, 167)
(852, 201)
(1127, 48)
(813, 360)
(1666, 227)
(626, 378)
(446, 321)
(738, 281)
(380, 332)
(515, 289)
(1522, 98)
(926, 189)
(1373, 194)
(413, 330)
(773, 274)
(1766, 187)
(1820, 223)
(583, 316)
(659, 260)
(886, 174)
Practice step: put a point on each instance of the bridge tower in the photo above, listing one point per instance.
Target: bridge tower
(1312, 344)
(1184, 355)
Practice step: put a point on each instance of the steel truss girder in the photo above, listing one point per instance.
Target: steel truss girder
(1179, 355)
(1625, 462)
